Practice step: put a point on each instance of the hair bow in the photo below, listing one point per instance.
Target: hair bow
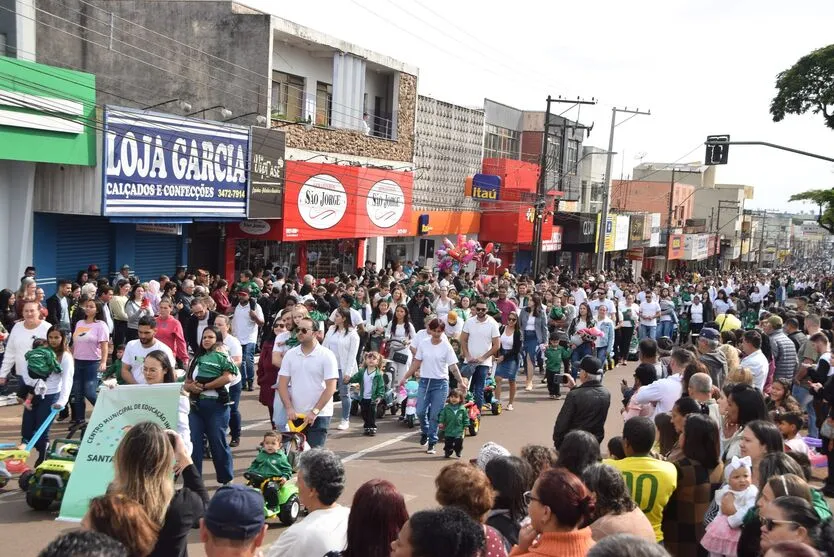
(736, 463)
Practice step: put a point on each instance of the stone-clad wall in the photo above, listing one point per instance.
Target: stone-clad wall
(331, 140)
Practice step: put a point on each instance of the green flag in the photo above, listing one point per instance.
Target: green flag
(116, 410)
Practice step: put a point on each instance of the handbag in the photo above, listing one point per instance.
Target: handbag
(467, 370)
(400, 358)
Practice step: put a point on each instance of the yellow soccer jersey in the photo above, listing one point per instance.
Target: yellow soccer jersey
(651, 483)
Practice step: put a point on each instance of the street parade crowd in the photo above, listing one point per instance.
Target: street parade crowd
(730, 410)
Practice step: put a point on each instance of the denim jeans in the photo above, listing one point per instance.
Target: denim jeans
(576, 356)
(234, 413)
(247, 364)
(647, 332)
(210, 418)
(476, 384)
(806, 401)
(279, 414)
(344, 396)
(431, 397)
(32, 420)
(665, 328)
(602, 354)
(317, 433)
(84, 385)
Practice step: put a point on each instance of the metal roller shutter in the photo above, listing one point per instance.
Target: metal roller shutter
(156, 254)
(82, 241)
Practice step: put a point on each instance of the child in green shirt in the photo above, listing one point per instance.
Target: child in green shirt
(114, 370)
(212, 365)
(41, 362)
(270, 469)
(556, 360)
(371, 389)
(453, 420)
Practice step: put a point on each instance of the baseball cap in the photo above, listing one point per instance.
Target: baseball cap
(591, 365)
(710, 334)
(92, 267)
(235, 512)
(775, 321)
(126, 266)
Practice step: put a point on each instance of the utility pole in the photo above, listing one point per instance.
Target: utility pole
(761, 239)
(606, 195)
(541, 193)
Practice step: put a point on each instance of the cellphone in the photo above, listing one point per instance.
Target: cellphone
(252, 304)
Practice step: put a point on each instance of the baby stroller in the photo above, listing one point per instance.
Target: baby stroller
(408, 398)
(490, 404)
(389, 399)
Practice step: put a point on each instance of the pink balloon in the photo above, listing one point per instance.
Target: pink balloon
(489, 247)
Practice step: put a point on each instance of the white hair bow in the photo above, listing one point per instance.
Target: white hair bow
(736, 463)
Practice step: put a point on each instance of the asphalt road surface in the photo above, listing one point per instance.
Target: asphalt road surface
(393, 454)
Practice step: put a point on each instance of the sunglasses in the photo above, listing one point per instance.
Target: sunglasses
(770, 523)
(278, 326)
(304, 330)
(512, 319)
(480, 309)
(528, 497)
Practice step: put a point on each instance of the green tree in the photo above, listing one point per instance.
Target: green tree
(807, 85)
(825, 201)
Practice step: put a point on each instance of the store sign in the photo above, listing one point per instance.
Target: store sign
(423, 227)
(385, 203)
(634, 254)
(654, 239)
(696, 247)
(170, 229)
(579, 228)
(554, 243)
(610, 232)
(322, 201)
(621, 233)
(163, 165)
(254, 227)
(486, 187)
(330, 202)
(637, 236)
(675, 247)
(266, 193)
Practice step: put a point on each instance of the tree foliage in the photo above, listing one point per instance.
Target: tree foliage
(807, 85)
(825, 201)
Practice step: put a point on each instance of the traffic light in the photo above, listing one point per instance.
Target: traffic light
(718, 149)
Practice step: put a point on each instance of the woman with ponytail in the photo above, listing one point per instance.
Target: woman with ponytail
(558, 505)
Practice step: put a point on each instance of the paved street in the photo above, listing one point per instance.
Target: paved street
(394, 454)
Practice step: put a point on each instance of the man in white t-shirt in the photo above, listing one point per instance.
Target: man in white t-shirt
(479, 341)
(754, 359)
(135, 351)
(649, 312)
(314, 372)
(601, 300)
(235, 352)
(248, 317)
(435, 358)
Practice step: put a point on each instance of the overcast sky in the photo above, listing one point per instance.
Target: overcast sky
(702, 67)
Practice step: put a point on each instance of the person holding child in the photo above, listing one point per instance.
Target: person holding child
(210, 372)
(734, 500)
(453, 420)
(371, 389)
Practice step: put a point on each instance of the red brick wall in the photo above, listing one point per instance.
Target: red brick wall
(653, 197)
(531, 147)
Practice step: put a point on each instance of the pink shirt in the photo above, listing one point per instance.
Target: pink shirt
(87, 339)
(169, 332)
(506, 307)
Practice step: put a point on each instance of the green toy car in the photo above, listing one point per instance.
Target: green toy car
(280, 497)
(46, 483)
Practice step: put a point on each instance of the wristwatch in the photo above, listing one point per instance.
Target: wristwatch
(315, 411)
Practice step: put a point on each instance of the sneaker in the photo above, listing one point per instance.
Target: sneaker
(343, 425)
(552, 397)
(373, 431)
(529, 387)
(447, 454)
(367, 431)
(431, 450)
(424, 439)
(510, 407)
(557, 397)
(234, 442)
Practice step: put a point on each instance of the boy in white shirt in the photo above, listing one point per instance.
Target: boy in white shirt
(789, 424)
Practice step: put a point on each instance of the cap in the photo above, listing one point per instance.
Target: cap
(126, 266)
(488, 451)
(92, 267)
(309, 300)
(710, 334)
(235, 512)
(775, 321)
(591, 365)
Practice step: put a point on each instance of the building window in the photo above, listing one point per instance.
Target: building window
(501, 143)
(572, 158)
(287, 95)
(324, 103)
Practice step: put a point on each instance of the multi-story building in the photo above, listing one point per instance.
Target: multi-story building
(323, 107)
(592, 179)
(448, 149)
(722, 209)
(694, 173)
(674, 201)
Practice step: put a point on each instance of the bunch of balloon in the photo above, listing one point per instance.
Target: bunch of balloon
(452, 256)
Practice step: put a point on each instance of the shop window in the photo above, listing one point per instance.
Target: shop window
(324, 103)
(328, 258)
(573, 153)
(287, 95)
